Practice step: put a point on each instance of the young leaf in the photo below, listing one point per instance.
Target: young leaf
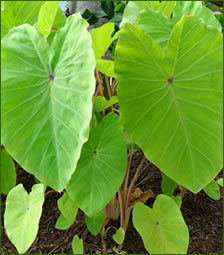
(8, 173)
(22, 215)
(77, 245)
(213, 190)
(162, 228)
(47, 99)
(220, 182)
(101, 168)
(181, 84)
(67, 207)
(168, 186)
(16, 13)
(62, 223)
(95, 223)
(47, 15)
(119, 236)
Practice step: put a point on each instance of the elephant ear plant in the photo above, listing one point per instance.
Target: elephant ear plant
(60, 122)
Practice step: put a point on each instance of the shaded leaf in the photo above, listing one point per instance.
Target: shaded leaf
(67, 207)
(95, 223)
(62, 223)
(213, 190)
(119, 236)
(8, 173)
(101, 168)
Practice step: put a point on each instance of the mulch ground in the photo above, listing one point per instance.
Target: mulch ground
(203, 216)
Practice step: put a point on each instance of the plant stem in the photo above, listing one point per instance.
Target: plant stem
(99, 83)
(125, 185)
(107, 88)
(130, 189)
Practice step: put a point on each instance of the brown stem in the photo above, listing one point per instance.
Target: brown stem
(122, 208)
(114, 86)
(107, 88)
(99, 82)
(125, 185)
(130, 189)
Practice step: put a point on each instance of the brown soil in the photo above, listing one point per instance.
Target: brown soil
(202, 215)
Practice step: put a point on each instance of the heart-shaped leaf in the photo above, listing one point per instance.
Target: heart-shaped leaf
(171, 100)
(47, 99)
(162, 228)
(101, 168)
(77, 245)
(22, 215)
(8, 173)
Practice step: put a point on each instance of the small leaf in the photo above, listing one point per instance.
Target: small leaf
(22, 215)
(77, 245)
(119, 236)
(62, 223)
(67, 207)
(102, 103)
(213, 190)
(95, 223)
(162, 228)
(47, 15)
(168, 185)
(8, 173)
(220, 182)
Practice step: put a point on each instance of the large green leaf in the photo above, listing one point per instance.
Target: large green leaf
(47, 99)
(171, 100)
(15, 13)
(101, 168)
(162, 228)
(8, 173)
(22, 215)
(47, 15)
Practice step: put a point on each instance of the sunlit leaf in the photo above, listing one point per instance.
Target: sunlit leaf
(162, 228)
(47, 99)
(171, 100)
(22, 215)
